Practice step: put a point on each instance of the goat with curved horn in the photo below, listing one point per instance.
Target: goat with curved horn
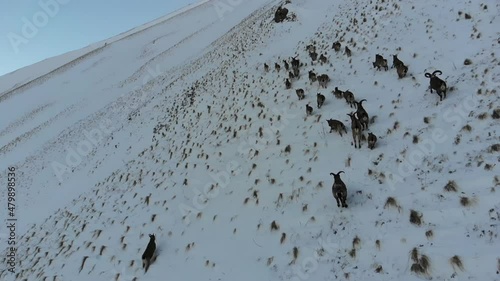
(437, 84)
(439, 72)
(339, 190)
(356, 128)
(362, 114)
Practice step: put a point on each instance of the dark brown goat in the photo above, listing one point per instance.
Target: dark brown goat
(339, 190)
(149, 252)
(437, 84)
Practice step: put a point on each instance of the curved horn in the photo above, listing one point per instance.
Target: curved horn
(361, 101)
(428, 75)
(437, 71)
(332, 174)
(340, 172)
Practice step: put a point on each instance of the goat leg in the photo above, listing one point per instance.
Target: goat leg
(338, 201)
(345, 204)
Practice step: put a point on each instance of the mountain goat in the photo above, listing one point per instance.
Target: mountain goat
(380, 62)
(356, 128)
(437, 84)
(323, 80)
(349, 98)
(336, 125)
(362, 114)
(149, 252)
(396, 61)
(312, 76)
(402, 70)
(320, 99)
(372, 139)
(339, 190)
(309, 109)
(336, 46)
(300, 93)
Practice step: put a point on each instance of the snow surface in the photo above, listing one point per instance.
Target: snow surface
(177, 130)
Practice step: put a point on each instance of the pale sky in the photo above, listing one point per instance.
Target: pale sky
(33, 30)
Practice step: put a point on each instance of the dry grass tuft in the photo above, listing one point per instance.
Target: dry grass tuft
(283, 238)
(415, 217)
(377, 244)
(288, 149)
(451, 186)
(356, 241)
(429, 234)
(421, 266)
(467, 128)
(414, 254)
(348, 162)
(83, 262)
(496, 114)
(295, 253)
(466, 202)
(352, 253)
(417, 269)
(425, 262)
(456, 262)
(392, 203)
(494, 148)
(274, 226)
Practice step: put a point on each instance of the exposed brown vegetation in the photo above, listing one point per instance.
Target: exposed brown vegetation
(415, 217)
(456, 263)
(451, 186)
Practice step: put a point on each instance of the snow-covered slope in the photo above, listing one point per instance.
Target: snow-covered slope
(179, 131)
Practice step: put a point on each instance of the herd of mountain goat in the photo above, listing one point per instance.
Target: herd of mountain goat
(359, 118)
